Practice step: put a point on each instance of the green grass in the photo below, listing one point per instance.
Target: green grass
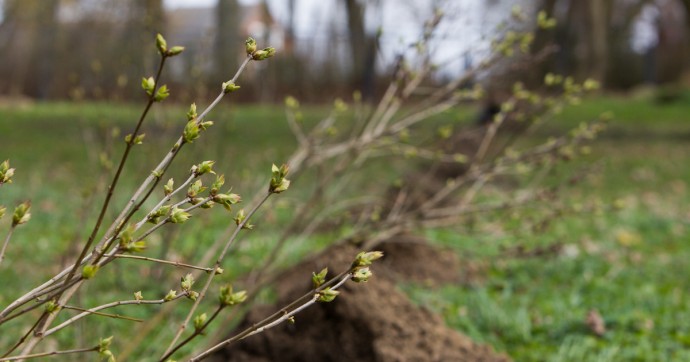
(625, 255)
(626, 258)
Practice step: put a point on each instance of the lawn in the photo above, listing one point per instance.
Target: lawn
(621, 238)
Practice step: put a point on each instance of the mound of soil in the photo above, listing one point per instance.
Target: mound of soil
(368, 322)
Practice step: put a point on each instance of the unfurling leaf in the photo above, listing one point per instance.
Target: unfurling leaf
(319, 278)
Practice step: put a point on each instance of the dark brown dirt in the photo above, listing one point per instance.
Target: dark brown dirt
(372, 321)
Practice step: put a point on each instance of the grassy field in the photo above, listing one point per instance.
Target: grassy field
(621, 249)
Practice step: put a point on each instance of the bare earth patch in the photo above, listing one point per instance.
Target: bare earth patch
(367, 322)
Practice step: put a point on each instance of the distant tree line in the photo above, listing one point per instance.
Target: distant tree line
(95, 49)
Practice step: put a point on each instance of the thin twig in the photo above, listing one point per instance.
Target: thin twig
(110, 305)
(48, 354)
(209, 279)
(161, 261)
(7, 241)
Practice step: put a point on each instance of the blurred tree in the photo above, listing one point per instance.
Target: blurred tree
(145, 19)
(31, 29)
(228, 38)
(594, 40)
(363, 46)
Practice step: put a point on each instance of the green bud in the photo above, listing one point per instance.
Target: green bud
(219, 270)
(169, 187)
(89, 271)
(104, 344)
(291, 102)
(239, 217)
(192, 295)
(278, 181)
(339, 106)
(108, 356)
(138, 296)
(204, 125)
(148, 85)
(175, 51)
(2, 211)
(264, 53)
(191, 114)
(196, 200)
(361, 275)
(366, 258)
(217, 184)
(161, 44)
(544, 22)
(229, 87)
(6, 172)
(21, 214)
(460, 158)
(205, 167)
(327, 295)
(104, 349)
(170, 296)
(139, 139)
(134, 247)
(320, 278)
(445, 132)
(199, 321)
(127, 234)
(162, 93)
(52, 306)
(186, 282)
(191, 131)
(179, 216)
(590, 85)
(227, 297)
(155, 215)
(227, 200)
(250, 45)
(195, 189)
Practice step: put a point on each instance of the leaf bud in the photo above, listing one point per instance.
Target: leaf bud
(148, 85)
(170, 296)
(227, 297)
(250, 45)
(361, 275)
(89, 271)
(319, 278)
(169, 187)
(327, 295)
(186, 282)
(162, 93)
(217, 184)
(227, 200)
(195, 189)
(366, 258)
(21, 214)
(161, 44)
(199, 321)
(52, 306)
(191, 114)
(6, 172)
(179, 216)
(191, 131)
(264, 53)
(229, 87)
(205, 167)
(176, 50)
